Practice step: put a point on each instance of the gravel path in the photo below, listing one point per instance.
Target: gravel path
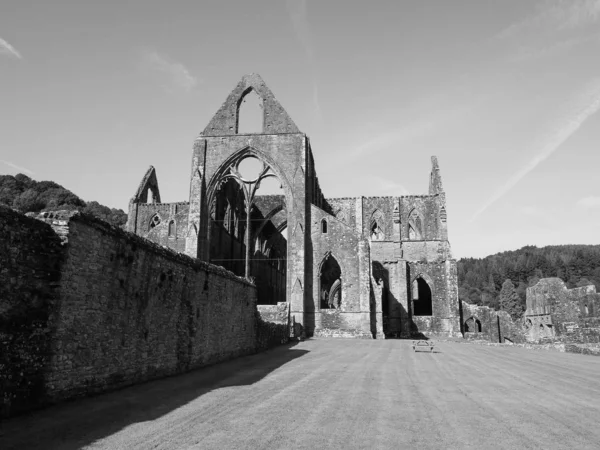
(346, 394)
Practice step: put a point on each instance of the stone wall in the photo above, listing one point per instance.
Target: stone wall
(442, 280)
(273, 328)
(30, 259)
(172, 229)
(557, 313)
(483, 323)
(108, 309)
(353, 317)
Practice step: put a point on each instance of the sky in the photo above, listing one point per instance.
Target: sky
(505, 94)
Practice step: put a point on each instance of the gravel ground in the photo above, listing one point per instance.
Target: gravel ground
(346, 394)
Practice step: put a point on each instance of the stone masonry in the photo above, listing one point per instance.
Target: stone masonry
(364, 267)
(87, 308)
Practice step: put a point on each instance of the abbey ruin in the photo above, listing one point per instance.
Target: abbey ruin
(87, 307)
(362, 267)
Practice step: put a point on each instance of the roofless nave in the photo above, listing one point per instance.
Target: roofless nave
(364, 266)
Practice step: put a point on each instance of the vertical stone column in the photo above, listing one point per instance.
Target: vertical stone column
(452, 297)
(300, 257)
(132, 217)
(364, 280)
(403, 297)
(196, 239)
(378, 312)
(359, 215)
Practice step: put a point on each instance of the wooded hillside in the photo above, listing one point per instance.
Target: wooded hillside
(481, 280)
(26, 195)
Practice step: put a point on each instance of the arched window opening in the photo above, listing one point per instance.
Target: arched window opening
(472, 325)
(150, 196)
(250, 114)
(324, 226)
(419, 227)
(155, 221)
(415, 226)
(330, 284)
(172, 228)
(376, 232)
(422, 305)
(585, 309)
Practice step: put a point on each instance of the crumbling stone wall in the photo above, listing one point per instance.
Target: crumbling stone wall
(107, 309)
(30, 259)
(496, 326)
(273, 325)
(442, 279)
(172, 229)
(557, 313)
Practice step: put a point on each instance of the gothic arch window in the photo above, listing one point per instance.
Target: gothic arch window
(415, 225)
(250, 117)
(472, 325)
(154, 221)
(330, 284)
(172, 229)
(324, 226)
(422, 298)
(376, 231)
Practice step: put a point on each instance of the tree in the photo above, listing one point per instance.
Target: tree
(26, 195)
(509, 300)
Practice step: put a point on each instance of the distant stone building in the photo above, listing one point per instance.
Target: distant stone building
(361, 267)
(557, 313)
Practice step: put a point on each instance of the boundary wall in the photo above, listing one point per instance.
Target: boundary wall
(86, 308)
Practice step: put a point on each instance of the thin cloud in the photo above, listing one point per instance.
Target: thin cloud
(16, 167)
(528, 52)
(556, 15)
(7, 49)
(588, 105)
(177, 75)
(297, 12)
(589, 202)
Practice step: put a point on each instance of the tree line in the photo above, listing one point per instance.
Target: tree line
(499, 281)
(23, 194)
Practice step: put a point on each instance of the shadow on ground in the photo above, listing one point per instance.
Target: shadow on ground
(78, 423)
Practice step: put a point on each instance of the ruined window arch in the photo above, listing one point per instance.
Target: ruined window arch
(154, 221)
(376, 231)
(422, 298)
(415, 225)
(150, 196)
(172, 229)
(472, 325)
(330, 284)
(250, 117)
(324, 226)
